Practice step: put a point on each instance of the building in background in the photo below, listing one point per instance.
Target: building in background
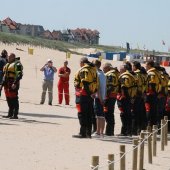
(78, 35)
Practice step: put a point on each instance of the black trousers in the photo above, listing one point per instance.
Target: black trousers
(152, 113)
(109, 116)
(161, 109)
(125, 116)
(85, 115)
(138, 115)
(13, 105)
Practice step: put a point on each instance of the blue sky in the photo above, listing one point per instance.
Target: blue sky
(139, 22)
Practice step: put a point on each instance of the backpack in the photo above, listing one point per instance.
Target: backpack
(88, 74)
(112, 80)
(154, 77)
(141, 81)
(129, 81)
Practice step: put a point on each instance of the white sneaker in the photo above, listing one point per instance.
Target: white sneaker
(96, 135)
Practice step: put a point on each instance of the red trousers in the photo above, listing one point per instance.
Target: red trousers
(63, 87)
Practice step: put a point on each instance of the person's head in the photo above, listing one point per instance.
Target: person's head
(97, 63)
(136, 66)
(83, 61)
(122, 68)
(128, 66)
(49, 63)
(11, 58)
(4, 54)
(150, 64)
(65, 63)
(143, 70)
(107, 67)
(157, 66)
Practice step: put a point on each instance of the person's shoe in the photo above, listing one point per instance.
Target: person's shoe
(78, 136)
(14, 117)
(41, 102)
(102, 135)
(95, 135)
(8, 116)
(50, 103)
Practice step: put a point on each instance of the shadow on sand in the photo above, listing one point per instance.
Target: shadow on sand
(46, 115)
(116, 139)
(37, 116)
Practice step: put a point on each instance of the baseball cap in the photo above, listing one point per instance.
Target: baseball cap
(49, 61)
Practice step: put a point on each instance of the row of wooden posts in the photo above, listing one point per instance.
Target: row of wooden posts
(139, 143)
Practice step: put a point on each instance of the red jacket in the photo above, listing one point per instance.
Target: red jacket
(64, 70)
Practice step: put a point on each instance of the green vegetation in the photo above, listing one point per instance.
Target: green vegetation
(59, 45)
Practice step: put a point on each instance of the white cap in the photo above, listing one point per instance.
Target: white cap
(49, 60)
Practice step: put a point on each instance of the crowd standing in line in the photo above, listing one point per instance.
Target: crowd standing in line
(142, 95)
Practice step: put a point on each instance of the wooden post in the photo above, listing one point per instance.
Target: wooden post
(95, 162)
(135, 154)
(154, 140)
(149, 129)
(162, 135)
(111, 159)
(149, 147)
(141, 153)
(166, 130)
(122, 161)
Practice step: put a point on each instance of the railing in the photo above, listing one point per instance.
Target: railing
(151, 136)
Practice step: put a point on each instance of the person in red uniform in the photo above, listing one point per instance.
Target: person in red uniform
(63, 83)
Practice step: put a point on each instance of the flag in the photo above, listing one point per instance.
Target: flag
(163, 42)
(144, 47)
(68, 55)
(30, 51)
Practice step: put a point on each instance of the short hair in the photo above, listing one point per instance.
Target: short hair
(97, 63)
(12, 55)
(128, 66)
(137, 65)
(4, 52)
(84, 60)
(143, 70)
(107, 65)
(151, 63)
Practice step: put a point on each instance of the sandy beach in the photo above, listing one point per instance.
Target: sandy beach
(41, 139)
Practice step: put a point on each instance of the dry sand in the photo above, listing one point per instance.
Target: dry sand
(41, 139)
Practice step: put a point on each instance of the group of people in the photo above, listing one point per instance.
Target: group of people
(11, 72)
(63, 83)
(142, 95)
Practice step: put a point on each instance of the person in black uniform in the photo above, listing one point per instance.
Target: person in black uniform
(13, 72)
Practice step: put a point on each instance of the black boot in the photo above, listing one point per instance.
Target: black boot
(10, 114)
(15, 114)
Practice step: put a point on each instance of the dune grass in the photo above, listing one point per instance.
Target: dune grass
(10, 38)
